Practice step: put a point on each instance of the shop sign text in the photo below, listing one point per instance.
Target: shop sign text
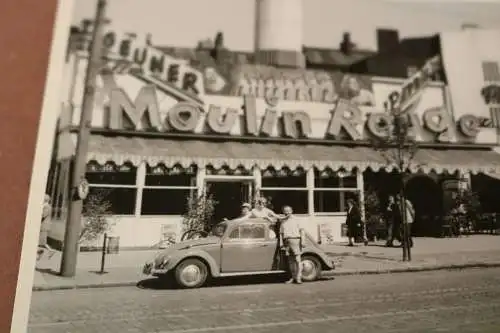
(413, 86)
(127, 53)
(345, 118)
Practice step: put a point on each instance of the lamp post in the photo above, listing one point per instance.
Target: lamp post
(79, 187)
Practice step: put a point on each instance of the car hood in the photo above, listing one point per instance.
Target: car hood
(188, 244)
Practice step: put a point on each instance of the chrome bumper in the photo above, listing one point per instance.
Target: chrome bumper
(149, 269)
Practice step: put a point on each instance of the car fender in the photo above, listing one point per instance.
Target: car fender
(195, 254)
(326, 261)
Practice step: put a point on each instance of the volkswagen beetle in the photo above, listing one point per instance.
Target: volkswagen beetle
(234, 248)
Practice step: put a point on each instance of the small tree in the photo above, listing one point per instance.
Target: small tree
(471, 203)
(373, 211)
(200, 210)
(398, 147)
(97, 216)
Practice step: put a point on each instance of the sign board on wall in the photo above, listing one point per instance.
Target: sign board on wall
(296, 85)
(129, 53)
(259, 117)
(128, 104)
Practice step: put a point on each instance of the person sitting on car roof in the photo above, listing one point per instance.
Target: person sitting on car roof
(261, 211)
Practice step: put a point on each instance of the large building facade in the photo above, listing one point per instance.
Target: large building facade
(292, 124)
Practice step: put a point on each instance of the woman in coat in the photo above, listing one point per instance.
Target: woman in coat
(353, 221)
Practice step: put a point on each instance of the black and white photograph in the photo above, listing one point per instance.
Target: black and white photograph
(271, 165)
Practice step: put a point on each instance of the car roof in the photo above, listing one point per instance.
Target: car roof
(249, 220)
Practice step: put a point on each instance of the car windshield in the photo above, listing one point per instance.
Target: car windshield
(219, 229)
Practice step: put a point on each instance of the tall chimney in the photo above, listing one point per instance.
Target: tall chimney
(387, 40)
(279, 33)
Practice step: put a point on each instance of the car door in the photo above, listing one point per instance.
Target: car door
(247, 248)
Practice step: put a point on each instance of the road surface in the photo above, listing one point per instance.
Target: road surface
(442, 301)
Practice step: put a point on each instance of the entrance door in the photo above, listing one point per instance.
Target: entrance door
(229, 196)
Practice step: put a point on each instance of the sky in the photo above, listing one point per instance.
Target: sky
(185, 22)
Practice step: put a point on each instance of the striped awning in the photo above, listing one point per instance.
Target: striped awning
(156, 151)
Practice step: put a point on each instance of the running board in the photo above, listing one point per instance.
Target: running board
(250, 273)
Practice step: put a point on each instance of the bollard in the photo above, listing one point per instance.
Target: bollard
(103, 254)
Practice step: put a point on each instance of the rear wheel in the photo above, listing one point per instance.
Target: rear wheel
(191, 273)
(311, 268)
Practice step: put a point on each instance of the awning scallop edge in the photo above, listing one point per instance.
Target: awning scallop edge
(135, 150)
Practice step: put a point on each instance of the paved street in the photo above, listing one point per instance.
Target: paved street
(429, 253)
(440, 301)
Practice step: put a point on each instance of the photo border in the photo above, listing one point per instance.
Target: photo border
(46, 119)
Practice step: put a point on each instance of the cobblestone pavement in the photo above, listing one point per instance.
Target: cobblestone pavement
(442, 301)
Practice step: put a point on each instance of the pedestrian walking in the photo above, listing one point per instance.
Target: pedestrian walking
(409, 212)
(353, 221)
(291, 236)
(44, 229)
(393, 224)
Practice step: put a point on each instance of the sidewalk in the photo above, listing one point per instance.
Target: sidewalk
(125, 268)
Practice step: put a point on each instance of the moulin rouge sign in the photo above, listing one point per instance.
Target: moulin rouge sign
(344, 121)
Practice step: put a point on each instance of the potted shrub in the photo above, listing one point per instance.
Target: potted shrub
(96, 218)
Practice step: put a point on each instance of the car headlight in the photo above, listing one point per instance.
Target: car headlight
(164, 262)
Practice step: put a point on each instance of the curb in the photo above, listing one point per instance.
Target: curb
(332, 274)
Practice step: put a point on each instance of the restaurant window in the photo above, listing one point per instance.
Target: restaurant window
(332, 189)
(113, 186)
(167, 189)
(285, 187)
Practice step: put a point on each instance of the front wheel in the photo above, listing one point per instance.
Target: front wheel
(191, 273)
(311, 268)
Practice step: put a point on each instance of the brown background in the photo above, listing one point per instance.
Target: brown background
(25, 36)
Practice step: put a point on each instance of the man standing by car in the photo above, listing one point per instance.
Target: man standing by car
(291, 236)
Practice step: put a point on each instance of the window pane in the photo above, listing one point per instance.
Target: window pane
(295, 199)
(111, 174)
(176, 176)
(331, 201)
(252, 231)
(330, 179)
(165, 201)
(169, 180)
(286, 181)
(113, 201)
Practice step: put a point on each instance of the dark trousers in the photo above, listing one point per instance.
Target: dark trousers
(393, 232)
(410, 237)
(397, 232)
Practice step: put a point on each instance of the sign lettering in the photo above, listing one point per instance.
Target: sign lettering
(221, 123)
(184, 117)
(379, 124)
(346, 116)
(145, 106)
(296, 124)
(288, 90)
(469, 125)
(149, 61)
(127, 52)
(345, 119)
(413, 86)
